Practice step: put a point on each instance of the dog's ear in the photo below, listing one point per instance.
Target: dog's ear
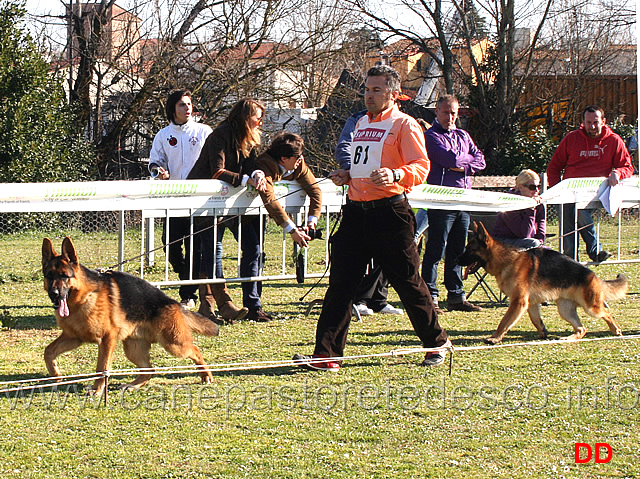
(481, 231)
(47, 251)
(69, 251)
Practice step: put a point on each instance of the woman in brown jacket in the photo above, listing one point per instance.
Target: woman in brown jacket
(229, 155)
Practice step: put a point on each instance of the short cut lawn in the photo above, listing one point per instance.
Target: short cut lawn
(501, 413)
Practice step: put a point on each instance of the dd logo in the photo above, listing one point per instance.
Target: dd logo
(590, 452)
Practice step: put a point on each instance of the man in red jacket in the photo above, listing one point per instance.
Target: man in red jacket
(592, 150)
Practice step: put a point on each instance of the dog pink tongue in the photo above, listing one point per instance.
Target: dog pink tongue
(63, 309)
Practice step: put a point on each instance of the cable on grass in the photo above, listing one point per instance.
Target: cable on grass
(257, 365)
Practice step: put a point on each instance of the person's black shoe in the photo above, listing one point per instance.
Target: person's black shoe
(258, 314)
(602, 256)
(465, 306)
(436, 358)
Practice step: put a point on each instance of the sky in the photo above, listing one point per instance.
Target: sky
(56, 7)
(39, 8)
(45, 6)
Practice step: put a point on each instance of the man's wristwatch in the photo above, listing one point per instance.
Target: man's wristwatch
(396, 176)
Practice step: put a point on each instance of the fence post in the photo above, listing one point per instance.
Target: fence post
(121, 241)
(149, 241)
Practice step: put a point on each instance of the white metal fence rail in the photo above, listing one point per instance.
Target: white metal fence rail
(151, 200)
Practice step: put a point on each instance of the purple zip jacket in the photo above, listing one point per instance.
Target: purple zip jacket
(452, 149)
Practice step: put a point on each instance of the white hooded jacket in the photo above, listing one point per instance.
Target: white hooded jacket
(177, 147)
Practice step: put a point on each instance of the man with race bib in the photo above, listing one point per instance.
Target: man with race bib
(388, 157)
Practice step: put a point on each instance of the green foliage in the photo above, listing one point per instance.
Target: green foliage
(625, 130)
(38, 140)
(521, 150)
(534, 150)
(476, 22)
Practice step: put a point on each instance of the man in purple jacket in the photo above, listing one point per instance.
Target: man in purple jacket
(454, 158)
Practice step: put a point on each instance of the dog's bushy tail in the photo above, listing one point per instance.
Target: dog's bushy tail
(200, 324)
(615, 288)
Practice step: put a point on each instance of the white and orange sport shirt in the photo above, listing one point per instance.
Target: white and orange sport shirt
(393, 140)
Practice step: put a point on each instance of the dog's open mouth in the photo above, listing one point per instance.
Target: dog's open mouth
(62, 306)
(472, 268)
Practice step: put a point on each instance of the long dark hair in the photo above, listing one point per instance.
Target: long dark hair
(245, 137)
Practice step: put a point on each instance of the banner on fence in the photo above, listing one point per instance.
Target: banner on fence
(200, 196)
(585, 191)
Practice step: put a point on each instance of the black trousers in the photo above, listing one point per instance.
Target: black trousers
(179, 227)
(385, 234)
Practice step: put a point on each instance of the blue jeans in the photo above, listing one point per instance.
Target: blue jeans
(422, 222)
(447, 238)
(588, 233)
(250, 262)
(219, 252)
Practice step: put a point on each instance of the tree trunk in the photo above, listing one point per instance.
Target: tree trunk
(109, 144)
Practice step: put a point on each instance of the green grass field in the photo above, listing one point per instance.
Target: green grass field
(502, 413)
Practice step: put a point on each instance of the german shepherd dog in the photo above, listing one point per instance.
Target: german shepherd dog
(102, 308)
(530, 277)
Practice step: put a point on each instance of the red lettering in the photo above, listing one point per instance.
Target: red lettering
(600, 445)
(369, 134)
(578, 446)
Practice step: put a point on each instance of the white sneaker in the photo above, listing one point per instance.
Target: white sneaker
(188, 303)
(363, 310)
(388, 309)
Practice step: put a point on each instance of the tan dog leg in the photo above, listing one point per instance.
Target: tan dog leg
(177, 339)
(535, 314)
(60, 345)
(568, 312)
(613, 326)
(599, 311)
(190, 351)
(105, 358)
(137, 350)
(516, 308)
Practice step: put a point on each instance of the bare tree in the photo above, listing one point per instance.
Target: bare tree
(276, 50)
(493, 79)
(490, 76)
(588, 47)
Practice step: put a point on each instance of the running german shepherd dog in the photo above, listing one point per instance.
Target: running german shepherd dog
(102, 308)
(530, 277)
